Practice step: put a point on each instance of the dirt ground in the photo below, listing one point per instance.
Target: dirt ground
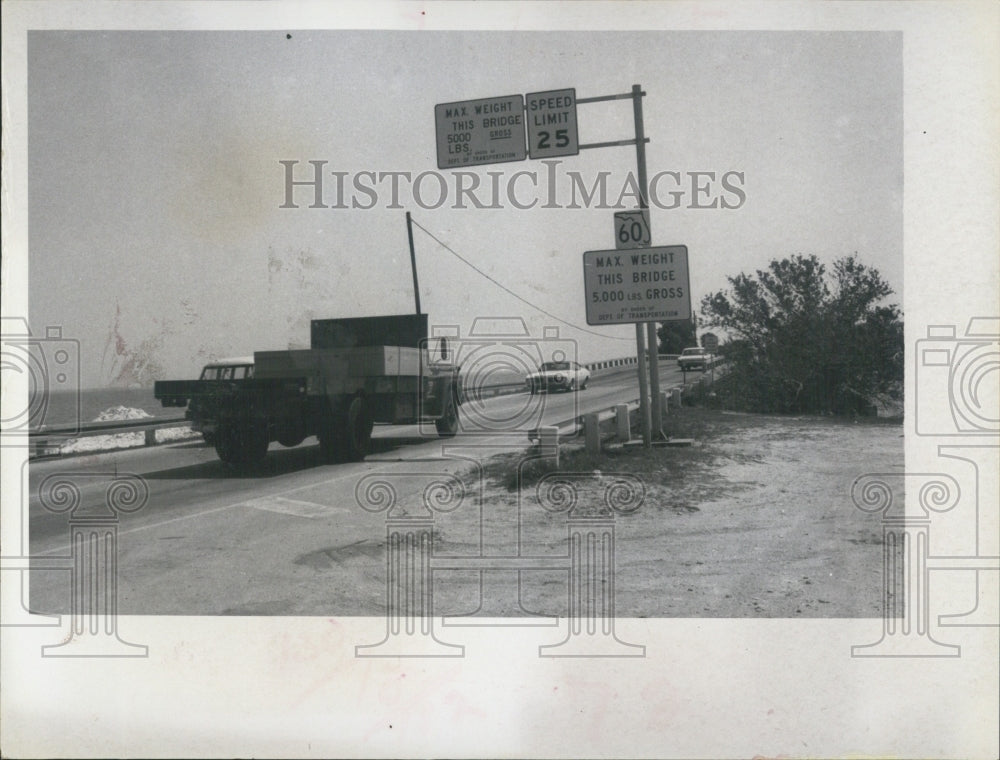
(753, 519)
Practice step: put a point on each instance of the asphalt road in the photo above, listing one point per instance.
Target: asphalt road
(290, 539)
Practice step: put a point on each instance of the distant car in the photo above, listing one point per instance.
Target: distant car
(558, 376)
(694, 358)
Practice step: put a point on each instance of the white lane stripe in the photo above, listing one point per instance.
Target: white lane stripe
(294, 507)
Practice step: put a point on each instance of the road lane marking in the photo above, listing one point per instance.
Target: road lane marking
(294, 507)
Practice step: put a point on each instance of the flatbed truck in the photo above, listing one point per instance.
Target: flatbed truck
(357, 371)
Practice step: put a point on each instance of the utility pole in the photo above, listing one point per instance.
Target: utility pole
(413, 261)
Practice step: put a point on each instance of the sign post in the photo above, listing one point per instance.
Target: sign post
(653, 343)
(710, 341)
(497, 130)
(639, 285)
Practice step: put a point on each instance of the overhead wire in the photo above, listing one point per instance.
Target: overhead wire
(507, 290)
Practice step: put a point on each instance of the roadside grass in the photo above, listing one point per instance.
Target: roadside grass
(697, 425)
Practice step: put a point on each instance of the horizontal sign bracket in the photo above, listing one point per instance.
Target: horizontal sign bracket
(611, 144)
(602, 98)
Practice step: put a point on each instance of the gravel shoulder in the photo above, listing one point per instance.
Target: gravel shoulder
(753, 519)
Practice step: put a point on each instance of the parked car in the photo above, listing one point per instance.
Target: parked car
(694, 358)
(558, 376)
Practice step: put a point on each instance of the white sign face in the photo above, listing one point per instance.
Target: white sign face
(552, 123)
(711, 343)
(642, 285)
(632, 229)
(473, 132)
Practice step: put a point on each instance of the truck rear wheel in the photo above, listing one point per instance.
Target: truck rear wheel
(356, 432)
(345, 434)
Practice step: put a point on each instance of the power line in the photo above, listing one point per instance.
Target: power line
(508, 290)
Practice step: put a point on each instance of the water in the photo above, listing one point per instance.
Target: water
(62, 405)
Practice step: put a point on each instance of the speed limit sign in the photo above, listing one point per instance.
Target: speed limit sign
(632, 229)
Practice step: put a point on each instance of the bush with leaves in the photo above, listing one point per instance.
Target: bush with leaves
(676, 335)
(806, 341)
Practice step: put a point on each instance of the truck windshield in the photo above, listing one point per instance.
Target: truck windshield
(227, 372)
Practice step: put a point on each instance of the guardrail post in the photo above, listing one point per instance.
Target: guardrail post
(150, 436)
(675, 397)
(622, 427)
(548, 443)
(592, 432)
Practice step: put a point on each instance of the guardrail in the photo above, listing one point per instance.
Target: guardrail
(549, 437)
(45, 439)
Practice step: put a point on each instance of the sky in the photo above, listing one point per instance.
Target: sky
(157, 236)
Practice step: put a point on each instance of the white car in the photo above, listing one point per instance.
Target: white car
(558, 376)
(694, 358)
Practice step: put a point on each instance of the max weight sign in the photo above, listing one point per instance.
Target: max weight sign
(641, 285)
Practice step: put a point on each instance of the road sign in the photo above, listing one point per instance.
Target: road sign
(551, 118)
(474, 132)
(710, 342)
(632, 229)
(647, 285)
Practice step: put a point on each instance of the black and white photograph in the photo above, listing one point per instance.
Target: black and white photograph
(511, 379)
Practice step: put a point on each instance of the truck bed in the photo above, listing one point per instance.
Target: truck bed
(348, 364)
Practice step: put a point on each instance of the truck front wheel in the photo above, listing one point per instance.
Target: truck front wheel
(447, 425)
(241, 445)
